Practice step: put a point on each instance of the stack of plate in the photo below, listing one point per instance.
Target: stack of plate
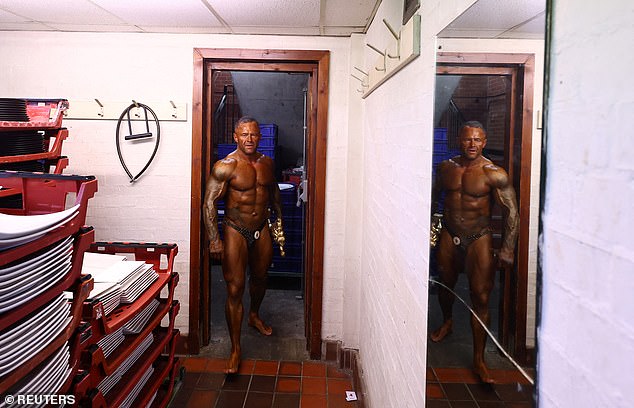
(17, 230)
(21, 143)
(28, 337)
(134, 277)
(138, 322)
(108, 293)
(25, 279)
(48, 378)
(127, 403)
(149, 404)
(110, 342)
(110, 381)
(13, 110)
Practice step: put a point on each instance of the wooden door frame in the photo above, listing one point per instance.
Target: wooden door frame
(526, 63)
(260, 60)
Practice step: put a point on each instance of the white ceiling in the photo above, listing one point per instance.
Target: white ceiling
(485, 19)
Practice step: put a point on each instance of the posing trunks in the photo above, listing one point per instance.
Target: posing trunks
(463, 242)
(250, 236)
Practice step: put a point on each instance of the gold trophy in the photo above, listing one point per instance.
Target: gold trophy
(277, 233)
(436, 228)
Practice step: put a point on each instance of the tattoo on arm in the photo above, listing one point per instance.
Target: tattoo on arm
(506, 197)
(216, 187)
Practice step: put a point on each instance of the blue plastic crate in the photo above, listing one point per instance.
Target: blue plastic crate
(267, 151)
(268, 142)
(268, 130)
(224, 149)
(440, 134)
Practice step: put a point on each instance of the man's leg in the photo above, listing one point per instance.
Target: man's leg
(448, 268)
(481, 274)
(260, 257)
(233, 268)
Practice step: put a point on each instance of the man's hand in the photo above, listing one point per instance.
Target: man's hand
(217, 249)
(506, 257)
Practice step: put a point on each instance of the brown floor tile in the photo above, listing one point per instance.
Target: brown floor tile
(290, 368)
(509, 377)
(518, 405)
(216, 365)
(464, 404)
(339, 400)
(262, 383)
(286, 401)
(334, 372)
(259, 400)
(313, 401)
(265, 367)
(483, 392)
(449, 375)
(236, 382)
(434, 391)
(430, 375)
(456, 392)
(195, 364)
(211, 381)
(191, 380)
(514, 392)
(430, 403)
(202, 398)
(246, 367)
(313, 369)
(314, 385)
(491, 404)
(337, 386)
(288, 384)
(228, 399)
(181, 398)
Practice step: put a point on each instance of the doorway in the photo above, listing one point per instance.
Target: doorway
(497, 90)
(313, 65)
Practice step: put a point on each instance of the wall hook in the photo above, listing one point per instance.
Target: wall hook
(397, 36)
(376, 49)
(362, 71)
(100, 114)
(173, 106)
(363, 82)
(136, 105)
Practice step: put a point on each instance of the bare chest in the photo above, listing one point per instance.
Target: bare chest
(251, 176)
(468, 181)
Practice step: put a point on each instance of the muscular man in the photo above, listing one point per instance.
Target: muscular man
(246, 182)
(469, 182)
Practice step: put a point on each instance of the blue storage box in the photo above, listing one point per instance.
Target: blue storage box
(268, 130)
(224, 149)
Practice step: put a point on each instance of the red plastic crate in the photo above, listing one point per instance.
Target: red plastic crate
(43, 114)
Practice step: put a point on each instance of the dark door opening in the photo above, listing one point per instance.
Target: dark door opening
(278, 101)
(315, 65)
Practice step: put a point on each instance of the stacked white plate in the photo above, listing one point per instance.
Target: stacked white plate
(28, 337)
(134, 277)
(149, 404)
(138, 322)
(108, 293)
(17, 230)
(26, 279)
(48, 379)
(110, 381)
(127, 403)
(110, 342)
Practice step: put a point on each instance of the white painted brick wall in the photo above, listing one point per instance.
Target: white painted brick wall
(155, 67)
(397, 147)
(587, 331)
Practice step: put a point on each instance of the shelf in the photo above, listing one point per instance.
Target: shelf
(54, 152)
(43, 114)
(80, 244)
(95, 358)
(80, 294)
(164, 393)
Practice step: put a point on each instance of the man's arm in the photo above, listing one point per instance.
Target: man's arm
(216, 187)
(505, 196)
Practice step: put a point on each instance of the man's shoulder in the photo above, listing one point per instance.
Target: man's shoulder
(495, 173)
(224, 167)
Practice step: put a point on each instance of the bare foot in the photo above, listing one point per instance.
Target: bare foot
(233, 363)
(483, 372)
(442, 332)
(255, 321)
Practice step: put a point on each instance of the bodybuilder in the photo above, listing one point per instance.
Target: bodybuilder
(245, 180)
(469, 182)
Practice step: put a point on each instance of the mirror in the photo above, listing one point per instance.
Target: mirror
(487, 71)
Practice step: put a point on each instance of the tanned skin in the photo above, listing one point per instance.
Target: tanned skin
(470, 182)
(245, 180)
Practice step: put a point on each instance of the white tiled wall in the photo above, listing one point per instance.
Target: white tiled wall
(587, 328)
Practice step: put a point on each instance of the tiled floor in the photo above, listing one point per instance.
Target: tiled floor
(263, 384)
(461, 388)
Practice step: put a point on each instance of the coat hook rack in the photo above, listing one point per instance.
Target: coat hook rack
(381, 53)
(397, 36)
(98, 108)
(362, 71)
(364, 83)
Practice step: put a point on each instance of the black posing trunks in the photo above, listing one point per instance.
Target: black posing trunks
(464, 242)
(250, 236)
